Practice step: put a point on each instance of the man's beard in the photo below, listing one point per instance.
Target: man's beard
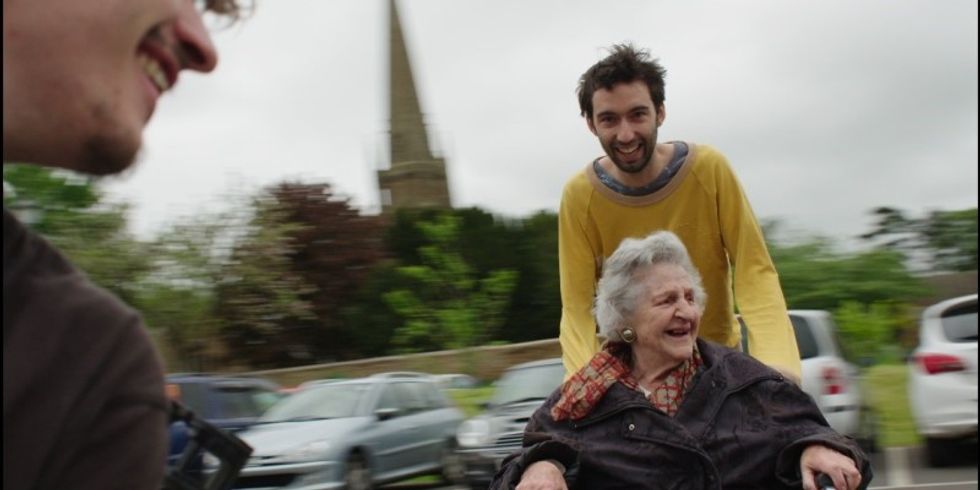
(637, 167)
(105, 155)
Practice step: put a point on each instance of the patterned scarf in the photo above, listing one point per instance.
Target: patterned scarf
(585, 388)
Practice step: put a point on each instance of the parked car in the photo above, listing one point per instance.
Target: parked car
(486, 439)
(306, 384)
(229, 403)
(455, 381)
(942, 382)
(355, 434)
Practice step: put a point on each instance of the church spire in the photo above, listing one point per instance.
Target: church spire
(408, 136)
(415, 178)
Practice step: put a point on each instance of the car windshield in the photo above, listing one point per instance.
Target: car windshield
(227, 400)
(326, 401)
(529, 383)
(960, 323)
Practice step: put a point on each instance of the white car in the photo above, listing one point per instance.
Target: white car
(943, 377)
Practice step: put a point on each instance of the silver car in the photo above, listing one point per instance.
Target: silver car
(942, 383)
(354, 434)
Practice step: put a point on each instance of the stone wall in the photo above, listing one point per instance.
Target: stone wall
(484, 363)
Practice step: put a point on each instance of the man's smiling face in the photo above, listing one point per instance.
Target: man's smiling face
(625, 121)
(82, 77)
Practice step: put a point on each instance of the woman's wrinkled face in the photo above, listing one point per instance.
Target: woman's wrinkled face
(666, 317)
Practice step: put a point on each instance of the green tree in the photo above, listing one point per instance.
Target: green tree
(73, 214)
(367, 311)
(870, 332)
(869, 291)
(944, 240)
(180, 296)
(535, 308)
(813, 274)
(450, 306)
(487, 242)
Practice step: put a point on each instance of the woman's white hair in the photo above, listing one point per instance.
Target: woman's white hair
(620, 288)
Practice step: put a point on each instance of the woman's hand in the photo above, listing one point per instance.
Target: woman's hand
(542, 475)
(821, 459)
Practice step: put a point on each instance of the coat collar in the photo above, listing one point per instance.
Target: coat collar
(725, 371)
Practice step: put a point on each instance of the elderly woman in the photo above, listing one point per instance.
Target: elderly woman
(659, 408)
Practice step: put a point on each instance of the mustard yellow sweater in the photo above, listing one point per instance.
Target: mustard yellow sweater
(705, 206)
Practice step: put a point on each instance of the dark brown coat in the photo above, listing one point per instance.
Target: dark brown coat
(741, 425)
(83, 400)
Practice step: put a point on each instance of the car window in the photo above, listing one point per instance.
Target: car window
(319, 401)
(265, 399)
(805, 340)
(528, 383)
(454, 381)
(194, 397)
(242, 401)
(402, 396)
(433, 398)
(843, 350)
(960, 323)
(414, 400)
(390, 398)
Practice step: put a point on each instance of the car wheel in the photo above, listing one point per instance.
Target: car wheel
(453, 470)
(941, 452)
(358, 475)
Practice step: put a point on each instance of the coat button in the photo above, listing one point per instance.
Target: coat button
(632, 426)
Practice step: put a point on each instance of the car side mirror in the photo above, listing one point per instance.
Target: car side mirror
(386, 413)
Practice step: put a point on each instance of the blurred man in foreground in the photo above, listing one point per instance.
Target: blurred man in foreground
(83, 396)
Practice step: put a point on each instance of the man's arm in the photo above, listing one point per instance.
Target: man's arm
(755, 282)
(577, 271)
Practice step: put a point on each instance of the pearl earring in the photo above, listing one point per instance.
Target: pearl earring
(628, 335)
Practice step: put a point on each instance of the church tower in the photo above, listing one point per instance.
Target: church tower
(415, 178)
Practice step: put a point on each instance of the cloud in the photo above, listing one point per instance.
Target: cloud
(826, 109)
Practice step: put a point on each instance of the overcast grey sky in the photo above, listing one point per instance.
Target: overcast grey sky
(826, 109)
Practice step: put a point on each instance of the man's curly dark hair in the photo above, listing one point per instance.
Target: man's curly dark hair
(624, 64)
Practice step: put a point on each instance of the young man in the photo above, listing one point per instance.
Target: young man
(83, 396)
(639, 186)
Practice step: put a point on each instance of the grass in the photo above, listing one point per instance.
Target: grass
(886, 386)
